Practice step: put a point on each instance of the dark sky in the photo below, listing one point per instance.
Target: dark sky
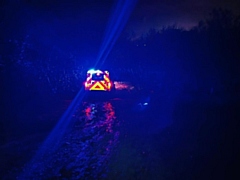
(88, 19)
(147, 13)
(182, 13)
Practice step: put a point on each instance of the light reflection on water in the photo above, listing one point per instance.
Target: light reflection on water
(100, 125)
(85, 148)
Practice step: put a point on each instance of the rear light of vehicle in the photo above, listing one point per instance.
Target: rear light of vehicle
(86, 84)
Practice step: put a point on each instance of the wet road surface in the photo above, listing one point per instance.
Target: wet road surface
(142, 138)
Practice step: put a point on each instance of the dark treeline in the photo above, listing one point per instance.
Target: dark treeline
(204, 58)
(40, 63)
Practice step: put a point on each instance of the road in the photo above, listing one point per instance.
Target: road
(99, 134)
(145, 137)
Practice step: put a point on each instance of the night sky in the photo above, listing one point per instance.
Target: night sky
(147, 13)
(81, 26)
(182, 13)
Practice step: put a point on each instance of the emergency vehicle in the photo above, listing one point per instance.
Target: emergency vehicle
(98, 80)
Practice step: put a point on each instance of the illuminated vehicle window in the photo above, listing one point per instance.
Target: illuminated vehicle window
(98, 77)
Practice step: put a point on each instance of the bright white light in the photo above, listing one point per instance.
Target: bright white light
(145, 104)
(91, 71)
(98, 71)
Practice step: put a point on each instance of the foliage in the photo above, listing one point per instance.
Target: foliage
(202, 58)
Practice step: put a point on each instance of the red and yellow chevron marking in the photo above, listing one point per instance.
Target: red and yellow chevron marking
(106, 77)
(98, 86)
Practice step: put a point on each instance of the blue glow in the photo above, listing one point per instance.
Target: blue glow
(116, 24)
(91, 70)
(142, 104)
(54, 138)
(123, 9)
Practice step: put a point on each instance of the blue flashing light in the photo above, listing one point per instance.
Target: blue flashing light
(91, 71)
(120, 15)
